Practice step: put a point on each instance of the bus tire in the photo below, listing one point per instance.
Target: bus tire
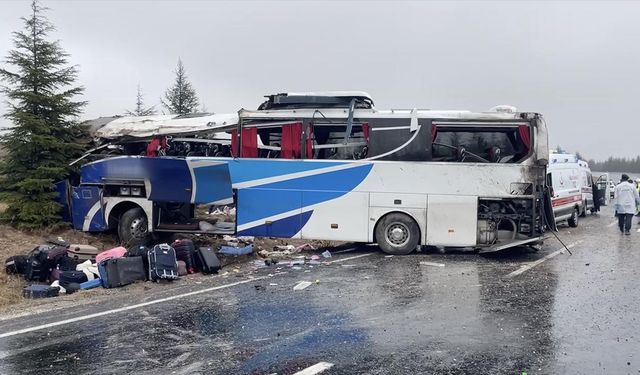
(573, 220)
(397, 234)
(133, 229)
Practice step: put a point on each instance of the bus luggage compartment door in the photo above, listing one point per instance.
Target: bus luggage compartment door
(87, 209)
(452, 220)
(269, 212)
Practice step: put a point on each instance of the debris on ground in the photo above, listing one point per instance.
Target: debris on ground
(302, 285)
(326, 254)
(233, 250)
(432, 264)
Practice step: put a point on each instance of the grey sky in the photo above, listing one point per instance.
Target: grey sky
(577, 63)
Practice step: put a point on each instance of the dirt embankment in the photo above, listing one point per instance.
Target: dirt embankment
(14, 242)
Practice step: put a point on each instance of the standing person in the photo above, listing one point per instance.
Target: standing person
(625, 201)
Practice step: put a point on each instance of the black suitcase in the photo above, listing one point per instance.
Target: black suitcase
(185, 250)
(140, 251)
(72, 277)
(117, 272)
(67, 264)
(207, 261)
(15, 265)
(40, 291)
(163, 264)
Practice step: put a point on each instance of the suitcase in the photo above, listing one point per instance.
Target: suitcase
(116, 252)
(163, 264)
(67, 264)
(72, 277)
(40, 291)
(117, 272)
(182, 268)
(15, 265)
(82, 252)
(185, 250)
(55, 274)
(207, 261)
(70, 288)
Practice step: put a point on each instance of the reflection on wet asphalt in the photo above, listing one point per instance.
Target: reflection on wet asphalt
(378, 315)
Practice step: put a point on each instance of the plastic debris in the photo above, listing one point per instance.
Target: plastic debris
(296, 262)
(327, 254)
(315, 257)
(206, 226)
(432, 264)
(230, 250)
(302, 285)
(305, 247)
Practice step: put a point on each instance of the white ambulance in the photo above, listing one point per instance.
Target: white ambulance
(572, 194)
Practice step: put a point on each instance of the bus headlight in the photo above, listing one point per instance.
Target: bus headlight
(137, 191)
(125, 191)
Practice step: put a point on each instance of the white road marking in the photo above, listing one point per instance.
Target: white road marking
(529, 266)
(148, 303)
(612, 223)
(315, 369)
(432, 264)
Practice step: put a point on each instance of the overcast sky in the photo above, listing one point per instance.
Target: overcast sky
(578, 63)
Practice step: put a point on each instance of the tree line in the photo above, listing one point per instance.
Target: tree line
(44, 107)
(613, 164)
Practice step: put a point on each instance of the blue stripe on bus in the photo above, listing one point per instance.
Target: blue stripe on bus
(283, 228)
(243, 170)
(264, 201)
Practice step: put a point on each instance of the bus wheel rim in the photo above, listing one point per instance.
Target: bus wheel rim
(139, 227)
(397, 234)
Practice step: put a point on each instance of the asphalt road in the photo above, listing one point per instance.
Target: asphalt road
(543, 312)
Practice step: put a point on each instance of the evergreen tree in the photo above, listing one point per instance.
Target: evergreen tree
(42, 140)
(140, 110)
(181, 98)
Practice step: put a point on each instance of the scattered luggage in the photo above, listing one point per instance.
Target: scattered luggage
(42, 259)
(182, 268)
(185, 250)
(82, 252)
(55, 274)
(70, 288)
(117, 272)
(207, 261)
(140, 251)
(162, 263)
(91, 284)
(234, 250)
(116, 252)
(15, 265)
(40, 291)
(67, 264)
(72, 277)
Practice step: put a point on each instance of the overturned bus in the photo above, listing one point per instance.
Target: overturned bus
(331, 166)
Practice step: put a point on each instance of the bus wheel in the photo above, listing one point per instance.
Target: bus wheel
(133, 228)
(397, 234)
(573, 220)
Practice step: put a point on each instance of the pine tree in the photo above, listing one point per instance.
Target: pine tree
(181, 98)
(42, 140)
(140, 110)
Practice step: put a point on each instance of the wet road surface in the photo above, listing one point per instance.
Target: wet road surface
(458, 313)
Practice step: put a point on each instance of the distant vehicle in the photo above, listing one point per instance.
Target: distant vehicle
(604, 188)
(572, 184)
